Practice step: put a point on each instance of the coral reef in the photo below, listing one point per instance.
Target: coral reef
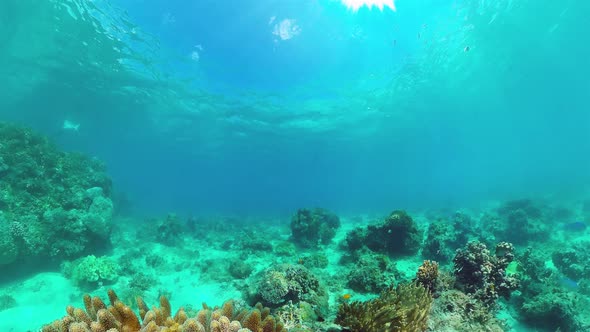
(573, 261)
(118, 317)
(285, 248)
(454, 310)
(445, 235)
(439, 239)
(557, 309)
(548, 299)
(402, 308)
(54, 204)
(311, 227)
(396, 235)
(168, 230)
(253, 241)
(91, 271)
(239, 269)
(298, 318)
(372, 273)
(482, 274)
(522, 221)
(314, 261)
(285, 282)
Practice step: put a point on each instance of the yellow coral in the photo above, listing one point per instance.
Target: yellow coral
(427, 275)
(401, 309)
(118, 317)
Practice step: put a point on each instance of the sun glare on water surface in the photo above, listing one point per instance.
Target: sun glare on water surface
(356, 4)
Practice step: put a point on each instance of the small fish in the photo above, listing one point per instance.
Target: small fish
(70, 125)
(576, 226)
(346, 296)
(569, 283)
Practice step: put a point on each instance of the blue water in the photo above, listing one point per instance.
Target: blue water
(355, 111)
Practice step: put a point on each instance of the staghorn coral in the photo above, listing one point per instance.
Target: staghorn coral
(402, 308)
(117, 317)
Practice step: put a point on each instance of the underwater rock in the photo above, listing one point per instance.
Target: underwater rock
(312, 227)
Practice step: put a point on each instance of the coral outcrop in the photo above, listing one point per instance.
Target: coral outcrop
(117, 317)
(445, 235)
(482, 273)
(395, 235)
(91, 271)
(311, 227)
(372, 273)
(52, 203)
(522, 220)
(573, 261)
(285, 282)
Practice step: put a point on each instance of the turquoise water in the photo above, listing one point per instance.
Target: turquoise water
(250, 110)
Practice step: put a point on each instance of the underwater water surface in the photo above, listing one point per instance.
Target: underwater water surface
(428, 160)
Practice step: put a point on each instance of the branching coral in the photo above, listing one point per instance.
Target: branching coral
(402, 308)
(427, 275)
(483, 274)
(98, 317)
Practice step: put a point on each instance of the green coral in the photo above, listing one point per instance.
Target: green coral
(92, 271)
(285, 282)
(311, 227)
(8, 248)
(402, 308)
(55, 204)
(395, 235)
